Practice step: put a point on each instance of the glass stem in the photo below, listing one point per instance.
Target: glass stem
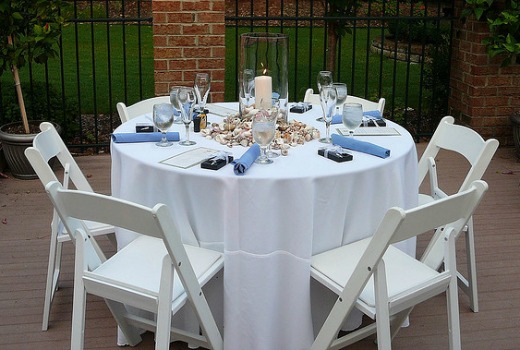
(187, 132)
(327, 131)
(164, 140)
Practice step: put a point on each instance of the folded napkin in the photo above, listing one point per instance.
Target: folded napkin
(336, 119)
(243, 163)
(130, 137)
(360, 146)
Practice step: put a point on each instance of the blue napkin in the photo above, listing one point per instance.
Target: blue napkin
(243, 163)
(131, 137)
(336, 119)
(360, 146)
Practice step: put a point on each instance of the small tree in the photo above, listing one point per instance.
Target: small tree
(336, 11)
(29, 32)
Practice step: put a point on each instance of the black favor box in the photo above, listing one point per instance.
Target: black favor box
(372, 122)
(215, 164)
(343, 157)
(301, 108)
(144, 128)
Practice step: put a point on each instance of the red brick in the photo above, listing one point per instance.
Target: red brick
(182, 40)
(166, 53)
(210, 17)
(160, 65)
(217, 29)
(499, 80)
(211, 63)
(159, 17)
(195, 52)
(160, 40)
(166, 6)
(184, 64)
(195, 29)
(190, 6)
(218, 5)
(166, 29)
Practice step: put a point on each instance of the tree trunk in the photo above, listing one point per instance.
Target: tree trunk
(18, 88)
(332, 40)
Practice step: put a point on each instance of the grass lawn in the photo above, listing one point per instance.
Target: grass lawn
(115, 63)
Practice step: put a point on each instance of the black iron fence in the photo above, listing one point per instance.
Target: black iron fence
(393, 49)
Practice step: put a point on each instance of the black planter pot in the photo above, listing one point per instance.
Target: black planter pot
(515, 121)
(14, 146)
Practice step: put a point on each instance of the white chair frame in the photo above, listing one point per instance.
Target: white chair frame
(156, 272)
(368, 105)
(386, 283)
(47, 145)
(139, 108)
(478, 153)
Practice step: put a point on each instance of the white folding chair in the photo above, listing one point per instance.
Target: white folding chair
(478, 153)
(313, 98)
(384, 282)
(156, 272)
(139, 108)
(46, 146)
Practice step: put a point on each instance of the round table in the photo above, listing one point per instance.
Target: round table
(270, 221)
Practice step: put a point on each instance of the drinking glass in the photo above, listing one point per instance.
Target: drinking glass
(264, 129)
(185, 101)
(341, 92)
(163, 120)
(328, 99)
(202, 86)
(246, 98)
(324, 79)
(276, 111)
(177, 118)
(352, 116)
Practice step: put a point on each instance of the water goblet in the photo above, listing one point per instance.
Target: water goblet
(185, 101)
(163, 120)
(202, 86)
(264, 129)
(275, 111)
(352, 116)
(341, 92)
(328, 99)
(247, 85)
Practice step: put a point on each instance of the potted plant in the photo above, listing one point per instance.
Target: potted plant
(29, 33)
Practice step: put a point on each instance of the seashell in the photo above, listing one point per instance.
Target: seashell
(244, 142)
(284, 151)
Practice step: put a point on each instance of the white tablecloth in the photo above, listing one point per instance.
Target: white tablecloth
(270, 221)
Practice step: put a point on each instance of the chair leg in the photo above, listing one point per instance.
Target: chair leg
(472, 267)
(53, 274)
(78, 316)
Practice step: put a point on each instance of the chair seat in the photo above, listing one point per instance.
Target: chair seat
(95, 228)
(127, 267)
(403, 271)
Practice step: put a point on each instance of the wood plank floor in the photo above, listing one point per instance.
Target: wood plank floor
(24, 239)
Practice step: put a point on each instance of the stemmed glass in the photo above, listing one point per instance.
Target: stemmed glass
(341, 92)
(177, 119)
(163, 120)
(324, 78)
(328, 99)
(352, 116)
(247, 84)
(264, 129)
(275, 109)
(184, 100)
(202, 86)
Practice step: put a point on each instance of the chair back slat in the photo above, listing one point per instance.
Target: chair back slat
(139, 108)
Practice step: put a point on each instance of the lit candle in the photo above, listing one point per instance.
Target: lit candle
(263, 91)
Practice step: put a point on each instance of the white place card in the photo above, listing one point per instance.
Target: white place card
(189, 158)
(371, 131)
(219, 110)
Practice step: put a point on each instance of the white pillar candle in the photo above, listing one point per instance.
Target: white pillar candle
(263, 91)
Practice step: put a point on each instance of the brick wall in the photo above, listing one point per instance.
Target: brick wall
(188, 37)
(483, 94)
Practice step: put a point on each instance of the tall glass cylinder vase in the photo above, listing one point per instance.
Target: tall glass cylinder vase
(263, 73)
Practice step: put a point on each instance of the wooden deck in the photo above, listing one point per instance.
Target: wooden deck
(24, 239)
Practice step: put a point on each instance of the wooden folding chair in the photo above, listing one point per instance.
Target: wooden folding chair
(478, 153)
(48, 145)
(156, 272)
(139, 108)
(385, 283)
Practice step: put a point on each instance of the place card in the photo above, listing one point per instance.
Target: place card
(380, 131)
(190, 158)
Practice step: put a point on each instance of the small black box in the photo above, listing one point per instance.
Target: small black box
(301, 107)
(215, 164)
(372, 122)
(144, 127)
(344, 156)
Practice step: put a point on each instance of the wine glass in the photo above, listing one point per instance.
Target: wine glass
(341, 92)
(247, 84)
(328, 99)
(264, 129)
(202, 86)
(324, 79)
(274, 110)
(163, 120)
(352, 116)
(185, 101)
(177, 119)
